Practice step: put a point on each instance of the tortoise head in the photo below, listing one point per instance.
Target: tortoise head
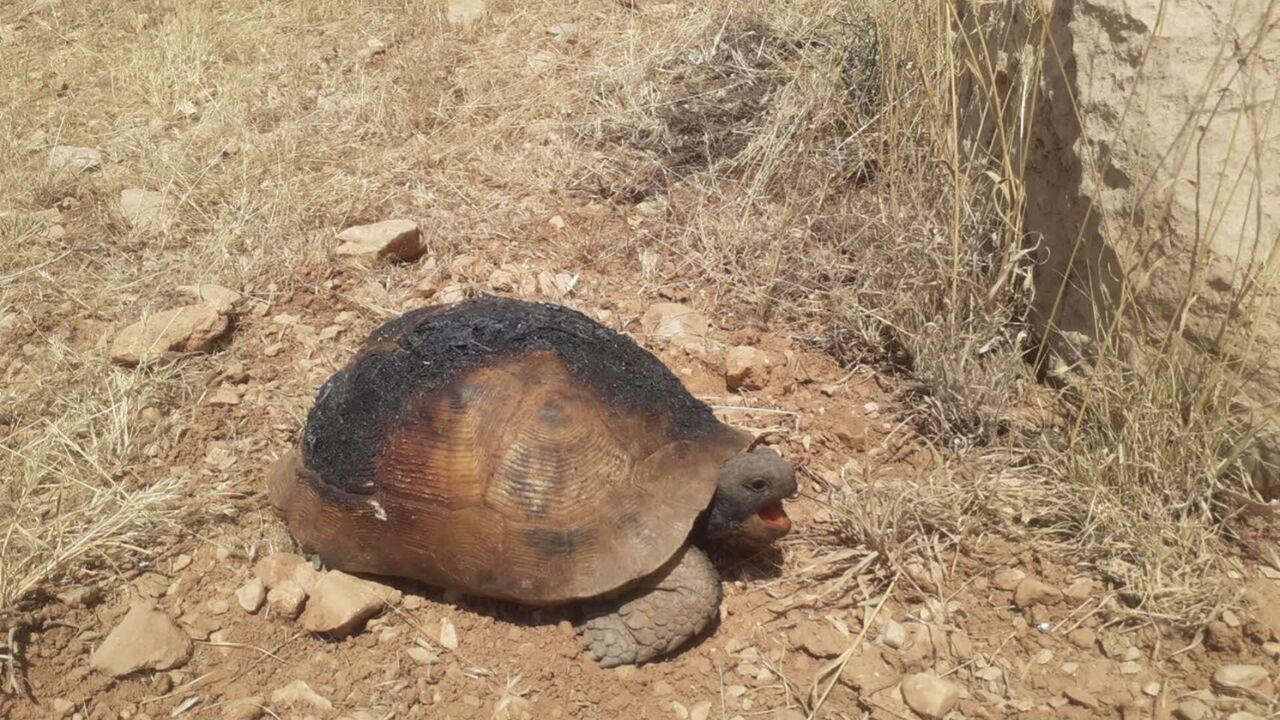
(748, 500)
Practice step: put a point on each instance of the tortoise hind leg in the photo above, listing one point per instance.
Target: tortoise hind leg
(663, 612)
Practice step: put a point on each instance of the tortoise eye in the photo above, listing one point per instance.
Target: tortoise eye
(758, 485)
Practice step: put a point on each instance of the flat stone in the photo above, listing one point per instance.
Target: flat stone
(250, 708)
(72, 159)
(223, 299)
(1080, 696)
(340, 604)
(1007, 579)
(1192, 709)
(680, 324)
(193, 328)
(386, 240)
(145, 209)
(869, 671)
(1083, 638)
(146, 639)
(299, 696)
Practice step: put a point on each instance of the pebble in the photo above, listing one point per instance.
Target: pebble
(299, 696)
(193, 328)
(1151, 688)
(746, 368)
(1031, 592)
(662, 687)
(1242, 680)
(287, 599)
(1130, 668)
(929, 695)
(422, 656)
(701, 711)
(398, 240)
(251, 595)
(62, 707)
(1131, 653)
(448, 634)
(893, 635)
(279, 567)
(146, 639)
(1192, 709)
(1079, 590)
(1007, 579)
(1272, 650)
(1070, 668)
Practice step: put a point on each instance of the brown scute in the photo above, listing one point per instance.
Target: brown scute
(519, 481)
(428, 348)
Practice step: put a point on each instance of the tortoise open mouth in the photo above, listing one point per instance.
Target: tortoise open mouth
(774, 516)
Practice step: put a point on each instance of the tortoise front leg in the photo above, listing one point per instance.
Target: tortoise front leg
(663, 612)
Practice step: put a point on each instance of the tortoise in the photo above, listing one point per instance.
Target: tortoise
(523, 452)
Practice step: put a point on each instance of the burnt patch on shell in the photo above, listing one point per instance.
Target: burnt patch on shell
(556, 543)
(425, 349)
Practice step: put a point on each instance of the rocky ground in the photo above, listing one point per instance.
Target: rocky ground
(211, 335)
(226, 622)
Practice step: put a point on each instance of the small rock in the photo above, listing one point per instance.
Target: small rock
(193, 328)
(701, 711)
(1272, 650)
(62, 707)
(1007, 579)
(250, 708)
(1079, 590)
(299, 696)
(386, 240)
(85, 596)
(1152, 689)
(145, 209)
(1243, 680)
(746, 368)
(73, 159)
(1083, 638)
(279, 567)
(1080, 696)
(448, 634)
(1192, 709)
(662, 687)
(462, 13)
(223, 299)
(1231, 619)
(1131, 654)
(1070, 668)
(340, 603)
(422, 656)
(146, 639)
(893, 635)
(1031, 592)
(869, 672)
(1130, 668)
(223, 397)
(819, 640)
(251, 595)
(929, 695)
(680, 324)
(287, 599)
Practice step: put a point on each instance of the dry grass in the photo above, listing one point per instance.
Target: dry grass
(802, 166)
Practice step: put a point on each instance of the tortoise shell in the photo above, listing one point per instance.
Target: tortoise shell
(505, 449)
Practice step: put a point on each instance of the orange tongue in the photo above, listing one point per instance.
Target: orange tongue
(774, 516)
